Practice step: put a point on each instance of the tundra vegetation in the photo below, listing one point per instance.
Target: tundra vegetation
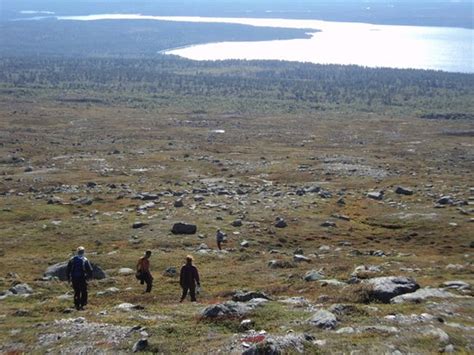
(345, 192)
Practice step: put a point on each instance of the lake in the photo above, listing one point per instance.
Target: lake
(438, 48)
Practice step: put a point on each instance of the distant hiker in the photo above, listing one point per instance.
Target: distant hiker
(143, 271)
(78, 271)
(189, 278)
(219, 238)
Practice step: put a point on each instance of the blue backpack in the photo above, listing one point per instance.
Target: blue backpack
(78, 266)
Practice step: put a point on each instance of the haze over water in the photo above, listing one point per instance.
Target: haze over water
(438, 48)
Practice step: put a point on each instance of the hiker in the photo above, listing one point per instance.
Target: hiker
(143, 271)
(219, 238)
(78, 271)
(188, 279)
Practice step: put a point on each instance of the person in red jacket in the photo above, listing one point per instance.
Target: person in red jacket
(143, 271)
(189, 278)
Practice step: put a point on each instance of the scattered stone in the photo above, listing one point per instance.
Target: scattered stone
(128, 307)
(178, 203)
(438, 333)
(170, 271)
(343, 309)
(241, 296)
(423, 294)
(21, 289)
(184, 228)
(246, 324)
(328, 224)
(138, 224)
(363, 270)
(281, 264)
(125, 271)
(376, 195)
(301, 258)
(388, 287)
(59, 271)
(332, 282)
(323, 319)
(230, 309)
(296, 301)
(140, 345)
(445, 200)
(245, 244)
(458, 285)
(280, 223)
(313, 275)
(108, 291)
(403, 191)
(237, 223)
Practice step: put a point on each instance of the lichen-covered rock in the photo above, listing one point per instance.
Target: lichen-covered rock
(323, 319)
(385, 288)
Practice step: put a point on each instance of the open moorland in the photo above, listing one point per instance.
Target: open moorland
(346, 195)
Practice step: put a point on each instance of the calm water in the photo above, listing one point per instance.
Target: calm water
(439, 48)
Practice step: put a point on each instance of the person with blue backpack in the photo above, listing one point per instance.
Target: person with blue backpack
(78, 271)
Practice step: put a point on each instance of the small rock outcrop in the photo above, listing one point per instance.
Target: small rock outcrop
(385, 288)
(323, 319)
(422, 295)
(241, 296)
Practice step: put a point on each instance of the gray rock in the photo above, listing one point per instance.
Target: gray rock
(229, 309)
(376, 195)
(388, 287)
(138, 224)
(184, 228)
(280, 223)
(108, 291)
(281, 264)
(458, 285)
(128, 307)
(241, 296)
(343, 309)
(438, 333)
(445, 200)
(313, 275)
(171, 271)
(403, 191)
(140, 345)
(178, 203)
(85, 201)
(246, 324)
(323, 319)
(21, 289)
(423, 294)
(328, 224)
(237, 223)
(332, 282)
(301, 258)
(245, 244)
(59, 271)
(125, 271)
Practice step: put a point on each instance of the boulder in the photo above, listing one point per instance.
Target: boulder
(403, 191)
(241, 296)
(313, 275)
(227, 309)
(178, 203)
(184, 228)
(21, 289)
(59, 271)
(458, 285)
(328, 224)
(323, 319)
(140, 345)
(422, 295)
(388, 287)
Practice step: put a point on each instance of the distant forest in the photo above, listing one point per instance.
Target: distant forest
(238, 86)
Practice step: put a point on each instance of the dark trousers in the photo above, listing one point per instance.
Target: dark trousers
(80, 291)
(192, 292)
(148, 279)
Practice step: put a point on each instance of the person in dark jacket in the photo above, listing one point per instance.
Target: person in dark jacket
(78, 271)
(189, 278)
(143, 271)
